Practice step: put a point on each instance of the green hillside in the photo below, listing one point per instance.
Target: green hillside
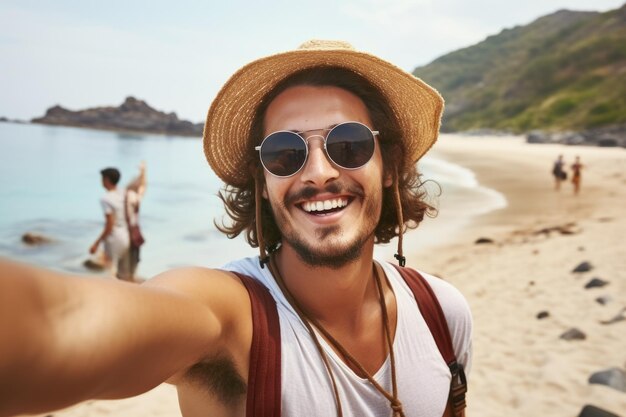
(564, 71)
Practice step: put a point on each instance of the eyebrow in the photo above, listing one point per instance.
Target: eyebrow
(321, 128)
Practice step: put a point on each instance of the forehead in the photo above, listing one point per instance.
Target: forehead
(304, 107)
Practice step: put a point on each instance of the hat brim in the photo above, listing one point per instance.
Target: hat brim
(416, 105)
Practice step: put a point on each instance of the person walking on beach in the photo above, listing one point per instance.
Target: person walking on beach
(558, 172)
(114, 235)
(317, 148)
(577, 167)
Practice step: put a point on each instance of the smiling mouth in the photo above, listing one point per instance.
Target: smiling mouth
(323, 207)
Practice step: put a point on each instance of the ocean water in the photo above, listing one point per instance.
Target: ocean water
(50, 184)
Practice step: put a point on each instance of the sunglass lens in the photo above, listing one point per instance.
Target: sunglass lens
(350, 145)
(283, 153)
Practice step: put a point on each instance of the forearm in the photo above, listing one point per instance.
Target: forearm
(67, 339)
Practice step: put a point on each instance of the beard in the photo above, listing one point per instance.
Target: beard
(328, 250)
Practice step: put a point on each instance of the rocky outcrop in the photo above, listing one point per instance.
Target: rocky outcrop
(133, 115)
(610, 136)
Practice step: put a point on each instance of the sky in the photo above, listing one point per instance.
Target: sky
(176, 55)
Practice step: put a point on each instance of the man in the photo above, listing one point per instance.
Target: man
(114, 235)
(317, 148)
(558, 172)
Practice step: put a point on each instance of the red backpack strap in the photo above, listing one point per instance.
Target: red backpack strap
(435, 319)
(264, 374)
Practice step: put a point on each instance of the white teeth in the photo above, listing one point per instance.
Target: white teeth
(310, 206)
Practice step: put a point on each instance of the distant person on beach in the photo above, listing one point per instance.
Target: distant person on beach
(317, 148)
(121, 219)
(114, 236)
(577, 167)
(558, 172)
(134, 193)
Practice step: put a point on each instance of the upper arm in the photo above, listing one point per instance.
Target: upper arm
(92, 338)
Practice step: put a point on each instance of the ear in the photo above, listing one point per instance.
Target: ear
(264, 192)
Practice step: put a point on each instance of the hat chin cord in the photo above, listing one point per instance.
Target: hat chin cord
(258, 199)
(264, 254)
(396, 196)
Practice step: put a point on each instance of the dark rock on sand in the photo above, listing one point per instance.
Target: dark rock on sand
(34, 239)
(133, 115)
(616, 319)
(483, 240)
(613, 377)
(542, 315)
(564, 229)
(596, 283)
(604, 299)
(592, 411)
(573, 334)
(583, 267)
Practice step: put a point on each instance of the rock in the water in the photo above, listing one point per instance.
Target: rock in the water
(35, 239)
(93, 265)
(543, 315)
(483, 240)
(613, 377)
(592, 411)
(596, 283)
(604, 300)
(583, 267)
(573, 334)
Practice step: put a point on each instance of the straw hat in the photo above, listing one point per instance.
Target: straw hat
(417, 106)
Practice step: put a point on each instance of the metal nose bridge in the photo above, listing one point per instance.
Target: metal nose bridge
(322, 137)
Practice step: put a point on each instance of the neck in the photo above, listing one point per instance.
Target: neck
(330, 295)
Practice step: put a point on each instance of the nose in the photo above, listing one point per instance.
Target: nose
(318, 169)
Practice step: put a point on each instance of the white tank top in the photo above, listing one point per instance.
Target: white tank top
(422, 375)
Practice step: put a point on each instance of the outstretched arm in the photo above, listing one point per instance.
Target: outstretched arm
(66, 339)
(139, 183)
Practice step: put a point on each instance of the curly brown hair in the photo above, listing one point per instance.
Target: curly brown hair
(240, 202)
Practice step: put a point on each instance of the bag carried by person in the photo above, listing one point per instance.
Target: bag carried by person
(136, 238)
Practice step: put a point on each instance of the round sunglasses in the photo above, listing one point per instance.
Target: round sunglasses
(349, 145)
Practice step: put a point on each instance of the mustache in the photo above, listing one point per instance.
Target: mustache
(309, 192)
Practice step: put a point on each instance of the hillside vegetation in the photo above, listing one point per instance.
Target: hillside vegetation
(564, 71)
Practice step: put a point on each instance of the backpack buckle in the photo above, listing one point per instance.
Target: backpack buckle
(458, 389)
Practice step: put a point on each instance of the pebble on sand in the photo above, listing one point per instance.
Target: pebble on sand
(573, 334)
(583, 267)
(612, 377)
(592, 411)
(596, 283)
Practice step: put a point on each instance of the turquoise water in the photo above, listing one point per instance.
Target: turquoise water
(50, 184)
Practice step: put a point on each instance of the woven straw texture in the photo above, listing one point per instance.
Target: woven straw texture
(417, 106)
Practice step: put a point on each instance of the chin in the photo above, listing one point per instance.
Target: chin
(329, 253)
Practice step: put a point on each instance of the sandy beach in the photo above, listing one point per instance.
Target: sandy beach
(521, 365)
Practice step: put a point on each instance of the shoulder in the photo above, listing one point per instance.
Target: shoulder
(452, 301)
(458, 316)
(217, 289)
